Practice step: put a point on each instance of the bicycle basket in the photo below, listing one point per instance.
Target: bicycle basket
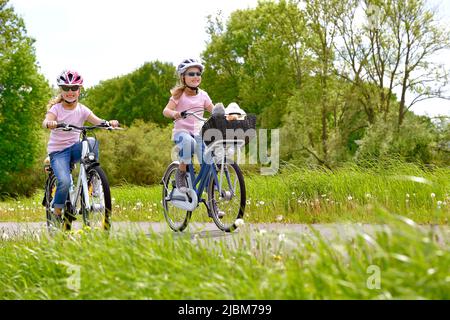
(219, 128)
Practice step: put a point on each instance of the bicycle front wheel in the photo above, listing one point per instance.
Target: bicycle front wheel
(99, 214)
(226, 197)
(177, 218)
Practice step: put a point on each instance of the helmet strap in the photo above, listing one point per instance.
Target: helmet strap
(193, 89)
(68, 102)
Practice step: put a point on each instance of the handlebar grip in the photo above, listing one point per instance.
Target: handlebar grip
(61, 125)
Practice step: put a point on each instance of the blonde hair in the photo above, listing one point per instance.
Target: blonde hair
(178, 90)
(54, 100)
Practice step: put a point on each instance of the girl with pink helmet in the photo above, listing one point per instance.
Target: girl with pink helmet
(64, 147)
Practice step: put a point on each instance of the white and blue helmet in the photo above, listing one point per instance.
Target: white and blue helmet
(188, 63)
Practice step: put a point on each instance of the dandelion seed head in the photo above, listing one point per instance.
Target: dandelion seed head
(431, 271)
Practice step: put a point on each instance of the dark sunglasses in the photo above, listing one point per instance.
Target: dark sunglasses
(193, 74)
(67, 88)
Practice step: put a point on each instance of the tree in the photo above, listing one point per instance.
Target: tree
(142, 94)
(257, 59)
(392, 51)
(23, 97)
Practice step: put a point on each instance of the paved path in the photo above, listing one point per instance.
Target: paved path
(210, 231)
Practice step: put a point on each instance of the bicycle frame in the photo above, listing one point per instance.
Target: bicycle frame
(208, 170)
(82, 176)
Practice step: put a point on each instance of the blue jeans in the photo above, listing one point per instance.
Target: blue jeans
(188, 144)
(60, 162)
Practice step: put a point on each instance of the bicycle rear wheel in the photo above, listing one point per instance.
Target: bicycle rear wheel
(99, 214)
(177, 218)
(228, 204)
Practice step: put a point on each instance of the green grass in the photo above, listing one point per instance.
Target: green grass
(295, 196)
(403, 261)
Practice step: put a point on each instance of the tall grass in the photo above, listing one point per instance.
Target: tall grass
(296, 195)
(401, 261)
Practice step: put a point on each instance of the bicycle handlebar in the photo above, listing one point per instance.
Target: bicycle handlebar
(69, 127)
(185, 114)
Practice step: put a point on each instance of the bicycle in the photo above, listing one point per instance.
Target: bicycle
(219, 175)
(90, 198)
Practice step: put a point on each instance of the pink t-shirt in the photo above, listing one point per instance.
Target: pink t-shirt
(60, 140)
(191, 103)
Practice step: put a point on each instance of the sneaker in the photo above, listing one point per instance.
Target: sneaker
(180, 180)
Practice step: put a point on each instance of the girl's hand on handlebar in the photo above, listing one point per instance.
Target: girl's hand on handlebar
(114, 123)
(51, 124)
(177, 115)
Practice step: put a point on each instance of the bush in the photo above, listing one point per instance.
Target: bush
(137, 155)
(412, 143)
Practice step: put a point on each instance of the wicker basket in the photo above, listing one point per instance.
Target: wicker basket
(229, 130)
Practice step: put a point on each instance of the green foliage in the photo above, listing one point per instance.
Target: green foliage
(413, 143)
(23, 96)
(295, 195)
(334, 262)
(309, 110)
(255, 60)
(142, 94)
(137, 155)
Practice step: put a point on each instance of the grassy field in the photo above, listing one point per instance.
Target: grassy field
(295, 196)
(404, 261)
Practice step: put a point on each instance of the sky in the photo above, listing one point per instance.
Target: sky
(103, 39)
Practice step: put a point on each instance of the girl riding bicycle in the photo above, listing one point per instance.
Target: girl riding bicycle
(64, 147)
(187, 95)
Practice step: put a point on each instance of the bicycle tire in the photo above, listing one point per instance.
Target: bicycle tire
(227, 222)
(99, 215)
(176, 218)
(54, 223)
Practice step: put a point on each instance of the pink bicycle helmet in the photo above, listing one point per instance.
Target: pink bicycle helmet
(188, 63)
(69, 78)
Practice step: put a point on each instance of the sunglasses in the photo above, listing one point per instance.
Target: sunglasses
(193, 74)
(67, 88)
